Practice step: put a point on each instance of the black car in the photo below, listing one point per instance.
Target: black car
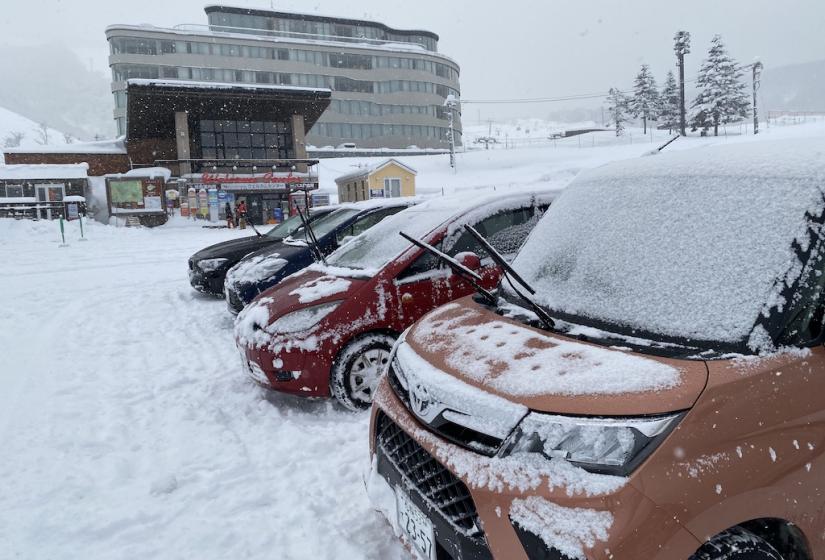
(265, 268)
(208, 267)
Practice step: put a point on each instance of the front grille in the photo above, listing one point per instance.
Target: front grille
(456, 433)
(439, 487)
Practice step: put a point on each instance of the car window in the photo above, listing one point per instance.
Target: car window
(505, 231)
(366, 222)
(805, 323)
(425, 262)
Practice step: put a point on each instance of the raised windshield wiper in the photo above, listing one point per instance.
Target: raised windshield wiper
(511, 275)
(253, 227)
(312, 241)
(470, 276)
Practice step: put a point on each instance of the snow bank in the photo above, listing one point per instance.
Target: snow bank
(518, 361)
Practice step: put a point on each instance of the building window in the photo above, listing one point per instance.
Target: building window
(392, 187)
(14, 191)
(245, 140)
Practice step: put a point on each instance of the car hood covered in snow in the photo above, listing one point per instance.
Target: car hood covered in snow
(549, 372)
(308, 288)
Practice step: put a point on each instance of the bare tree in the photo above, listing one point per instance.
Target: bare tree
(42, 134)
(13, 139)
(68, 138)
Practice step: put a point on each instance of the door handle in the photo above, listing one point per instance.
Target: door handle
(406, 298)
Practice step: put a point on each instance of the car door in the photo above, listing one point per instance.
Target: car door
(426, 284)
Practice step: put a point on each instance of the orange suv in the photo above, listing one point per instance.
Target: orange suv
(648, 382)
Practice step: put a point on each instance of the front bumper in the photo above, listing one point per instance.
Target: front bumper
(294, 372)
(211, 284)
(638, 529)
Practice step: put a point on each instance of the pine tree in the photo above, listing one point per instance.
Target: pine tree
(670, 103)
(722, 96)
(617, 104)
(645, 100)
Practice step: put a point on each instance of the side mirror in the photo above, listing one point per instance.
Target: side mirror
(469, 260)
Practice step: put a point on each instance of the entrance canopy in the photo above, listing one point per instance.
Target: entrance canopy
(152, 104)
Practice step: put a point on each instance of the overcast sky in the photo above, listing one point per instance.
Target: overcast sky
(515, 49)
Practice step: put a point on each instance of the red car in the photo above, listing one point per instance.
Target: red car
(328, 330)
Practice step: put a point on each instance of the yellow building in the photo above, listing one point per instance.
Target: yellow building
(388, 179)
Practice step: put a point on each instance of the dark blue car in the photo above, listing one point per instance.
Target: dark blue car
(265, 268)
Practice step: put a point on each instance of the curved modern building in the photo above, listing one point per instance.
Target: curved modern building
(389, 85)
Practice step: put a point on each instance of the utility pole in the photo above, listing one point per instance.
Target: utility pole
(757, 77)
(682, 47)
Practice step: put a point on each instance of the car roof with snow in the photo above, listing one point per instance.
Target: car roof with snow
(385, 243)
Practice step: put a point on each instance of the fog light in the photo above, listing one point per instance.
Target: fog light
(287, 375)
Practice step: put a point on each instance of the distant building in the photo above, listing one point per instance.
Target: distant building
(42, 191)
(245, 140)
(389, 85)
(387, 179)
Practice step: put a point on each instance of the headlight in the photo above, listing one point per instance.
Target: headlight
(603, 445)
(211, 265)
(303, 319)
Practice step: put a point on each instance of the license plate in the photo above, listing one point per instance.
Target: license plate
(415, 525)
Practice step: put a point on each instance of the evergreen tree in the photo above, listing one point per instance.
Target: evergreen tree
(722, 96)
(617, 109)
(670, 103)
(645, 100)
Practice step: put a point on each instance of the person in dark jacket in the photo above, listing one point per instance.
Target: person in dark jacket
(230, 219)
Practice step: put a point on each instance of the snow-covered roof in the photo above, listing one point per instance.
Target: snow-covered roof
(116, 146)
(190, 84)
(314, 17)
(43, 171)
(692, 244)
(144, 172)
(369, 170)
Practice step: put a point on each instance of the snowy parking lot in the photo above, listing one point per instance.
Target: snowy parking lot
(127, 429)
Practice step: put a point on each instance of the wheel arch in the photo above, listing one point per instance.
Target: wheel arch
(785, 536)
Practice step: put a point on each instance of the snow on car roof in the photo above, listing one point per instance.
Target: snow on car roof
(373, 249)
(690, 244)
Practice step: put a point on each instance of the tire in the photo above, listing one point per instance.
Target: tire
(736, 544)
(358, 368)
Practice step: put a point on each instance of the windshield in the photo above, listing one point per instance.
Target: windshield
(287, 227)
(671, 253)
(328, 223)
(382, 243)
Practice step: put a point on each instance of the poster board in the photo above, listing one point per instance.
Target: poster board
(135, 195)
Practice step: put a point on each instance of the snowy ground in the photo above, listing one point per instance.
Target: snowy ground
(127, 430)
(126, 427)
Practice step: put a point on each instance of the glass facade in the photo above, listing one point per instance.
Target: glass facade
(121, 45)
(245, 140)
(317, 29)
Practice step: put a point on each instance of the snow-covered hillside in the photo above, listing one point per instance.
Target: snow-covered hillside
(15, 128)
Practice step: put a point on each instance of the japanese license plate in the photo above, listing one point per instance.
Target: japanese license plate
(415, 525)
